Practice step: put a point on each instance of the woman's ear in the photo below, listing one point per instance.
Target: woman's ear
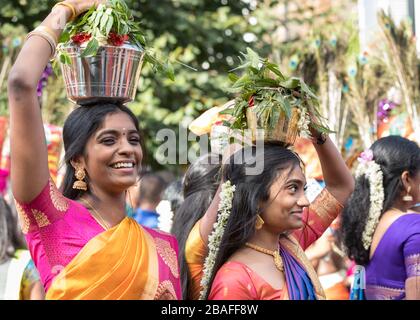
(78, 162)
(406, 180)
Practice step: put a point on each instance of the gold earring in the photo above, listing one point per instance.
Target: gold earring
(408, 197)
(79, 184)
(259, 223)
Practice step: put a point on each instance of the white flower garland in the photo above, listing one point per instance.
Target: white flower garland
(373, 172)
(303, 124)
(225, 206)
(166, 215)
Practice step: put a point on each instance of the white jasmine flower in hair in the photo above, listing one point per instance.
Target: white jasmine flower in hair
(303, 124)
(372, 171)
(225, 206)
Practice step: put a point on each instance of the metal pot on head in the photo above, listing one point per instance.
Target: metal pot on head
(111, 75)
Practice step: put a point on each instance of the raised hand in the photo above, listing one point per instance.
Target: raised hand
(77, 7)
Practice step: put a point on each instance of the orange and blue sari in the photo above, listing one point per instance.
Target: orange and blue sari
(302, 282)
(78, 259)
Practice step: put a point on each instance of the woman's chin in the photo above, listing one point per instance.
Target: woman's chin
(297, 224)
(123, 184)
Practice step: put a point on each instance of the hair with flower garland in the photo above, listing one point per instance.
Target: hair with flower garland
(240, 205)
(378, 186)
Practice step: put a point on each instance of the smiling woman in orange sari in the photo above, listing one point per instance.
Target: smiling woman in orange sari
(81, 240)
(270, 224)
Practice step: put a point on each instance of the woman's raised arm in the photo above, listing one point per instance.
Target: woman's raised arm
(338, 179)
(29, 158)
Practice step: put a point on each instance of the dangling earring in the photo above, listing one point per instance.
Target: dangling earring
(79, 184)
(259, 223)
(408, 197)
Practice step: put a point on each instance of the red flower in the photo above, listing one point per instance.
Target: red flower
(81, 37)
(251, 101)
(117, 39)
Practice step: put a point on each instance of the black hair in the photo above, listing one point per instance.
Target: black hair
(251, 191)
(394, 154)
(173, 194)
(200, 184)
(10, 237)
(80, 125)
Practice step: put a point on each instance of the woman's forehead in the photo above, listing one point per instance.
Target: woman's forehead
(293, 172)
(118, 120)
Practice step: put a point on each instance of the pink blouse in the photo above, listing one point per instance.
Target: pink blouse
(57, 228)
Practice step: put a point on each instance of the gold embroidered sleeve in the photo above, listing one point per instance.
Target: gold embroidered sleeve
(49, 206)
(325, 208)
(24, 221)
(165, 291)
(168, 255)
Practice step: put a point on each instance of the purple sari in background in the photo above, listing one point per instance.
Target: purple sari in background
(396, 258)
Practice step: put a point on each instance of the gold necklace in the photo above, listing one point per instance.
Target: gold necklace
(96, 215)
(276, 256)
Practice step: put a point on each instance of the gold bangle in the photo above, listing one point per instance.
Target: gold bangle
(71, 7)
(48, 30)
(47, 37)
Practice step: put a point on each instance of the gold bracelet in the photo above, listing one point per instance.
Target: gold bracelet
(48, 30)
(47, 37)
(71, 7)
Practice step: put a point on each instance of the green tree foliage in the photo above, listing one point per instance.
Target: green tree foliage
(205, 35)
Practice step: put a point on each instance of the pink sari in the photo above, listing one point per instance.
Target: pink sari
(57, 229)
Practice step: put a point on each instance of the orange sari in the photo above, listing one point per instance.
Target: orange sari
(124, 262)
(317, 218)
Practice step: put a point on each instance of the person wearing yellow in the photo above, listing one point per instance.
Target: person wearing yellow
(80, 238)
(270, 224)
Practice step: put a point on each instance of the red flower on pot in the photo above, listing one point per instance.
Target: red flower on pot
(251, 101)
(81, 37)
(117, 39)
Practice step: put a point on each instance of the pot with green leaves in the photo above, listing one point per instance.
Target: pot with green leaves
(272, 106)
(112, 74)
(277, 123)
(101, 54)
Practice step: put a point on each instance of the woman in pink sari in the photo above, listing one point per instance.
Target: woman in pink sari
(82, 242)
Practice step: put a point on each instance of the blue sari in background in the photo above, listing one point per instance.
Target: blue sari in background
(359, 284)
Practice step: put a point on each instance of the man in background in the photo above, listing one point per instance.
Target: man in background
(150, 194)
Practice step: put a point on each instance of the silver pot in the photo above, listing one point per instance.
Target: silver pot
(112, 75)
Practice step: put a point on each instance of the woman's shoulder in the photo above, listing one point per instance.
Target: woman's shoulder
(233, 281)
(47, 207)
(399, 228)
(409, 222)
(236, 271)
(412, 222)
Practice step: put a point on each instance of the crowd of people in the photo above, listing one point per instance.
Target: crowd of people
(233, 235)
